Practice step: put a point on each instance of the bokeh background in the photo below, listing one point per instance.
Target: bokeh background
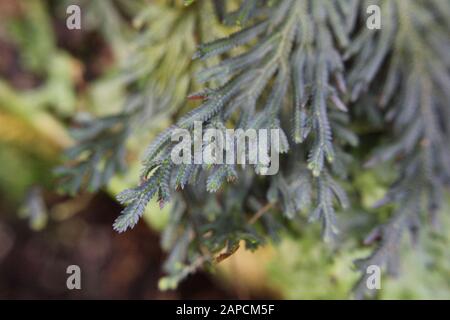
(48, 75)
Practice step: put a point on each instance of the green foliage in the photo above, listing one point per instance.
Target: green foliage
(309, 68)
(33, 33)
(261, 76)
(31, 136)
(156, 75)
(304, 269)
(415, 99)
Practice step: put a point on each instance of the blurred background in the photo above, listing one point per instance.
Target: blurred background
(48, 76)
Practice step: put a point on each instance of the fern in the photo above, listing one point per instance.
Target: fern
(414, 98)
(311, 69)
(282, 74)
(156, 83)
(247, 77)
